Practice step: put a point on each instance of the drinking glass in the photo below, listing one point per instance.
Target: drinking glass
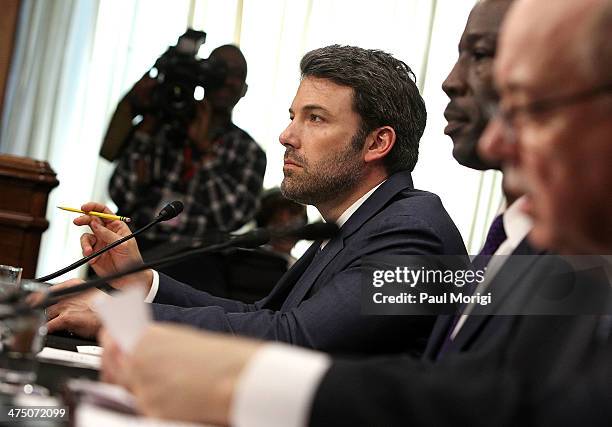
(10, 278)
(22, 333)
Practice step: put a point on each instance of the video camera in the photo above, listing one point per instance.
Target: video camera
(179, 73)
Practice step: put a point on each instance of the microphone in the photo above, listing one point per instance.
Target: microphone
(252, 239)
(168, 212)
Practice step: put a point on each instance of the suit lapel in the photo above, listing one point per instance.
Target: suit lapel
(318, 264)
(507, 279)
(278, 295)
(438, 335)
(378, 200)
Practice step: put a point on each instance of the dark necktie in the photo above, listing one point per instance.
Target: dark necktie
(495, 237)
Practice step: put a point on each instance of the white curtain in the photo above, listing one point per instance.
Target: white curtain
(74, 59)
(45, 113)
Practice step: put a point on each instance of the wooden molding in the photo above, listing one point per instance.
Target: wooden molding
(24, 188)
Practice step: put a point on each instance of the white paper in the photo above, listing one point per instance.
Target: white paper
(72, 357)
(125, 316)
(103, 394)
(88, 415)
(34, 400)
(94, 350)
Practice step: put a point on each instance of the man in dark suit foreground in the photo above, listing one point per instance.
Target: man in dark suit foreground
(552, 60)
(352, 142)
(518, 271)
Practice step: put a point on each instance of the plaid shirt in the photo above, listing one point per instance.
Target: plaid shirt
(218, 193)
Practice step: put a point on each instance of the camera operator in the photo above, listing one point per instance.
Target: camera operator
(194, 154)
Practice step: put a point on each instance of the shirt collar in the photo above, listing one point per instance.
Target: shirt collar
(516, 223)
(342, 219)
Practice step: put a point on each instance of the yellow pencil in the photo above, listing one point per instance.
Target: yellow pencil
(98, 214)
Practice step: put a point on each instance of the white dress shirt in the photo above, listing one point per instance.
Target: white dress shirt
(154, 287)
(516, 225)
(261, 399)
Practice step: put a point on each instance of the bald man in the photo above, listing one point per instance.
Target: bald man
(553, 133)
(552, 137)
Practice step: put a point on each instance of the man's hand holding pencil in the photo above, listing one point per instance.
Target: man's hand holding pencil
(105, 231)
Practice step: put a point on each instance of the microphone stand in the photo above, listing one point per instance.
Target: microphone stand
(98, 252)
(168, 212)
(254, 239)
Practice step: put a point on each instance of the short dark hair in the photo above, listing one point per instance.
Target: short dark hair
(230, 48)
(385, 94)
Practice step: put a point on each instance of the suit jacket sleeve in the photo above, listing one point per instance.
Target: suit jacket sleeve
(175, 293)
(330, 318)
(407, 392)
(539, 370)
(581, 398)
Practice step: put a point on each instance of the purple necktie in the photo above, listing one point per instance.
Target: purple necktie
(495, 237)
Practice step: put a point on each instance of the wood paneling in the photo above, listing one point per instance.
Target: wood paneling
(24, 188)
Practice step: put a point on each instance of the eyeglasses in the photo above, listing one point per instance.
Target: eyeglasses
(507, 116)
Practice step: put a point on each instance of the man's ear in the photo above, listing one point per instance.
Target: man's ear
(379, 143)
(245, 87)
